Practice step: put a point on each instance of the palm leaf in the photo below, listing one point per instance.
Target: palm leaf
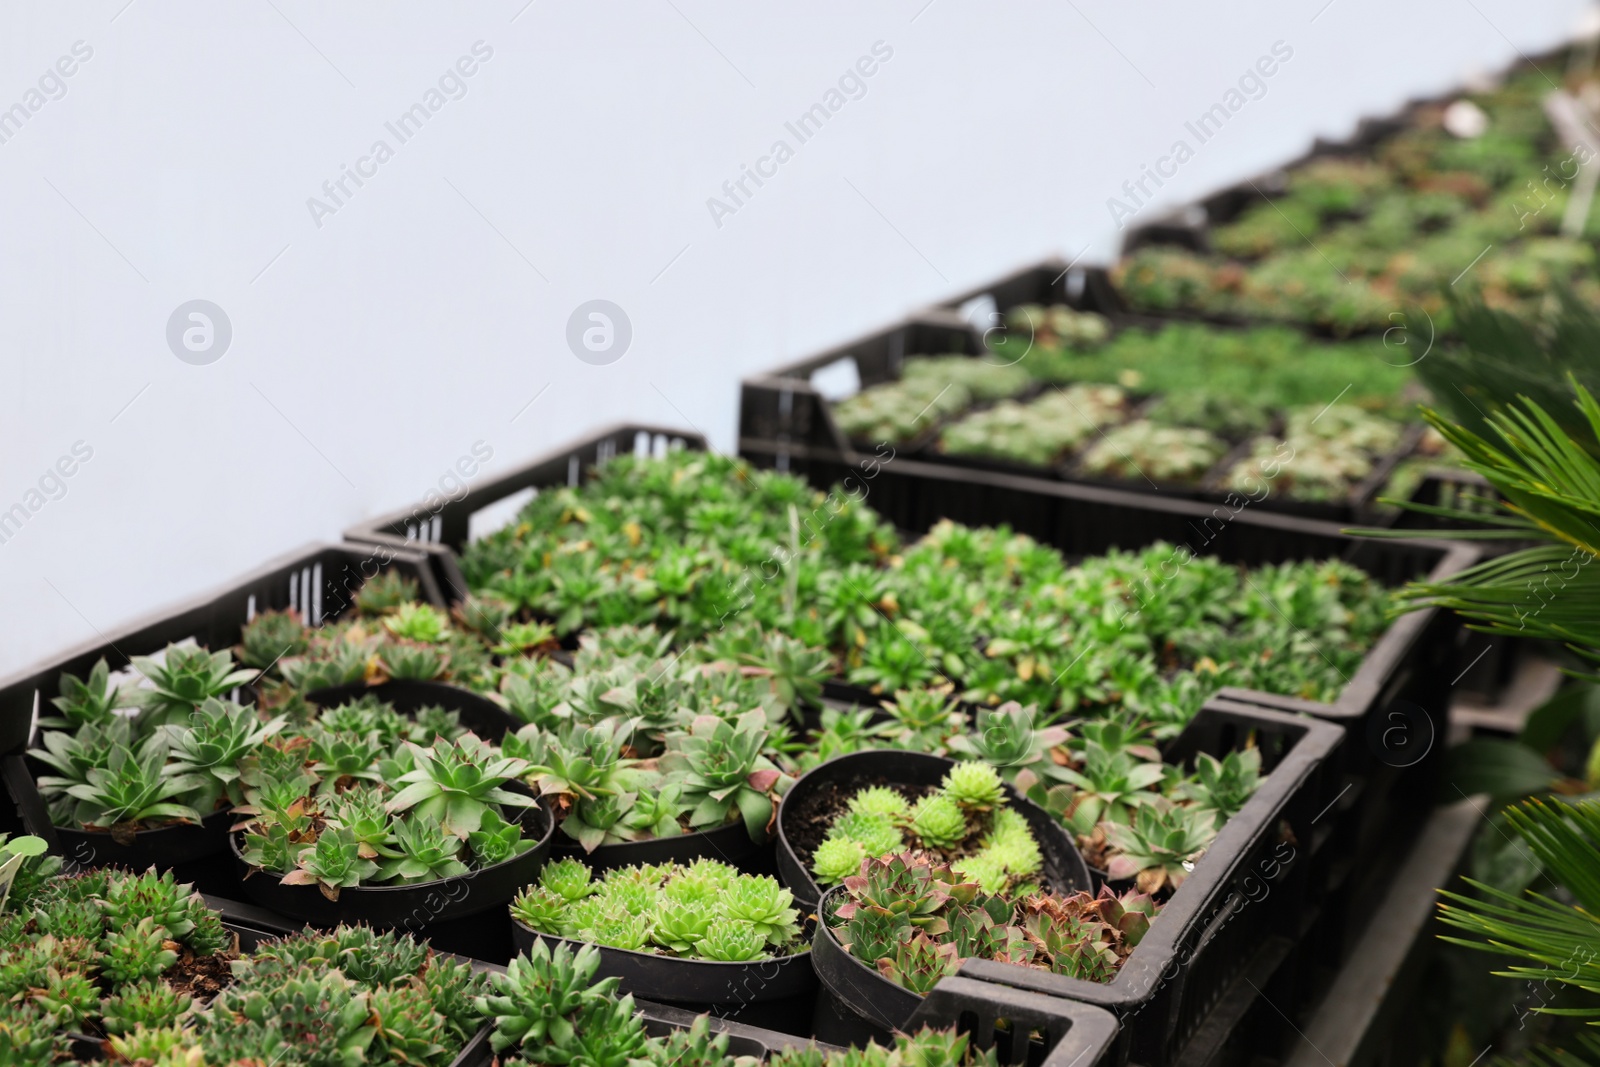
(1549, 482)
(1552, 941)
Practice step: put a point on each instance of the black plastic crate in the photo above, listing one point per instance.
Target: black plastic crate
(319, 581)
(441, 529)
(1025, 1029)
(1217, 945)
(785, 407)
(1091, 289)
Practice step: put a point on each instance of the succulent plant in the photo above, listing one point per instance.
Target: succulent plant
(270, 636)
(1009, 739)
(1144, 449)
(880, 800)
(1054, 326)
(899, 410)
(332, 661)
(731, 941)
(133, 788)
(921, 719)
(150, 1003)
(1111, 783)
(722, 771)
(1041, 432)
(534, 1001)
(412, 660)
(70, 995)
(836, 859)
(765, 906)
(30, 1036)
(183, 679)
(569, 878)
(876, 833)
(84, 702)
(1220, 788)
(136, 952)
(73, 756)
(1160, 846)
(915, 890)
(918, 963)
(416, 621)
(914, 922)
(671, 906)
(973, 786)
(405, 1027)
(218, 737)
(938, 821)
(333, 862)
(455, 783)
(159, 898)
(427, 851)
(385, 593)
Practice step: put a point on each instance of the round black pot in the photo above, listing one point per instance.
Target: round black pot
(448, 912)
(193, 852)
(730, 844)
(1063, 868)
(776, 994)
(857, 1004)
(478, 713)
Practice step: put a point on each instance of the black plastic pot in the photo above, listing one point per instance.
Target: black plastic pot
(465, 914)
(730, 844)
(778, 994)
(192, 852)
(1063, 868)
(857, 1004)
(477, 712)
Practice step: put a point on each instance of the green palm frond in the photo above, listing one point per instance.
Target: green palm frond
(1553, 942)
(1501, 354)
(1549, 481)
(1581, 1051)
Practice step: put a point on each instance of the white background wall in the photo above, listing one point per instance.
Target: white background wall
(371, 352)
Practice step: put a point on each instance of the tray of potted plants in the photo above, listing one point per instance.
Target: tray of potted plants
(1205, 849)
(1397, 219)
(709, 549)
(333, 813)
(114, 967)
(645, 753)
(1072, 387)
(134, 757)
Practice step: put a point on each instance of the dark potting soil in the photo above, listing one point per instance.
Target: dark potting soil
(201, 977)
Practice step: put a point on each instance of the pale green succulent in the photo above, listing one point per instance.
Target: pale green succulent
(880, 800)
(836, 859)
(973, 786)
(665, 908)
(939, 821)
